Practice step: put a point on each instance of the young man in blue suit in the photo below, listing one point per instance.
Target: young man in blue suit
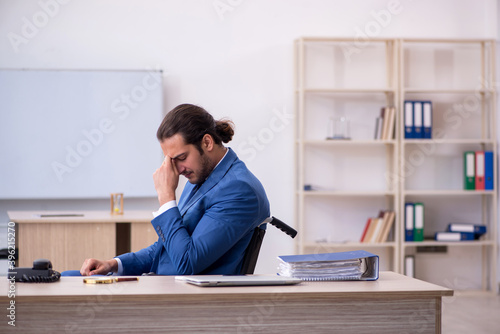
(209, 229)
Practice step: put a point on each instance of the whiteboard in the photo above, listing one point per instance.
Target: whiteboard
(79, 134)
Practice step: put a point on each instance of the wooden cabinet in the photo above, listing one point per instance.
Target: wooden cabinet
(68, 238)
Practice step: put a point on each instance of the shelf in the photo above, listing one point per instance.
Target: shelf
(446, 91)
(345, 193)
(350, 244)
(337, 40)
(326, 85)
(347, 90)
(448, 41)
(334, 142)
(472, 134)
(447, 141)
(448, 192)
(449, 243)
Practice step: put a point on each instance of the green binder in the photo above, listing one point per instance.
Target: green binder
(469, 170)
(418, 221)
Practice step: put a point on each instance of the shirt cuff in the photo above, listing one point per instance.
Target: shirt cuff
(165, 207)
(119, 272)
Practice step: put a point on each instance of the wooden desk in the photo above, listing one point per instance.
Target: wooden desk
(158, 304)
(68, 241)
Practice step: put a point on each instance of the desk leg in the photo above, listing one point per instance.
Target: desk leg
(439, 311)
(66, 245)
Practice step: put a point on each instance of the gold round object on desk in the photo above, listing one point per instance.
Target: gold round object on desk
(98, 280)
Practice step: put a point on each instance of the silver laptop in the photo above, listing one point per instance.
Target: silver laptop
(238, 280)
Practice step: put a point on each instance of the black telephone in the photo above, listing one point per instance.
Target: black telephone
(40, 273)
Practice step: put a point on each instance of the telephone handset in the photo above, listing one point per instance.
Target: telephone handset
(40, 273)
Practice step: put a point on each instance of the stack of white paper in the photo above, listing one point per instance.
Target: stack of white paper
(355, 265)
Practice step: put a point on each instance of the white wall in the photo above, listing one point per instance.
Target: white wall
(232, 57)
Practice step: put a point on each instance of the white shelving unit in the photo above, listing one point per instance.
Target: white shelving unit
(351, 180)
(330, 85)
(458, 77)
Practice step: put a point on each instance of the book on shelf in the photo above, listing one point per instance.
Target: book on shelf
(384, 113)
(390, 123)
(377, 229)
(478, 170)
(389, 217)
(365, 230)
(414, 221)
(385, 124)
(369, 229)
(379, 121)
(418, 119)
(379, 222)
(356, 265)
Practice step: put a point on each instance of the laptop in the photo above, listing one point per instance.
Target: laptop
(238, 280)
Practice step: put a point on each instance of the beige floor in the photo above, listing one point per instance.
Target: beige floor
(471, 313)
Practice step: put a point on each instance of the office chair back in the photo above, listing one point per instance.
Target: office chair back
(253, 249)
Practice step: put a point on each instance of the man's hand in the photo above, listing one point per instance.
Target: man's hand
(166, 179)
(97, 267)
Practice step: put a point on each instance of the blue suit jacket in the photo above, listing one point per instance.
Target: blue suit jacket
(209, 232)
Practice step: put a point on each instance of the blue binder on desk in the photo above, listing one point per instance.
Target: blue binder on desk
(357, 265)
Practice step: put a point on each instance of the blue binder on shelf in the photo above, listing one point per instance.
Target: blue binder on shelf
(488, 170)
(409, 221)
(427, 119)
(418, 120)
(454, 236)
(478, 230)
(409, 128)
(356, 265)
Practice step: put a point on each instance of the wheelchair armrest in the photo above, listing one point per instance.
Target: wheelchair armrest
(282, 226)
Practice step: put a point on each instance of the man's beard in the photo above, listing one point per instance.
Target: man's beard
(206, 168)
